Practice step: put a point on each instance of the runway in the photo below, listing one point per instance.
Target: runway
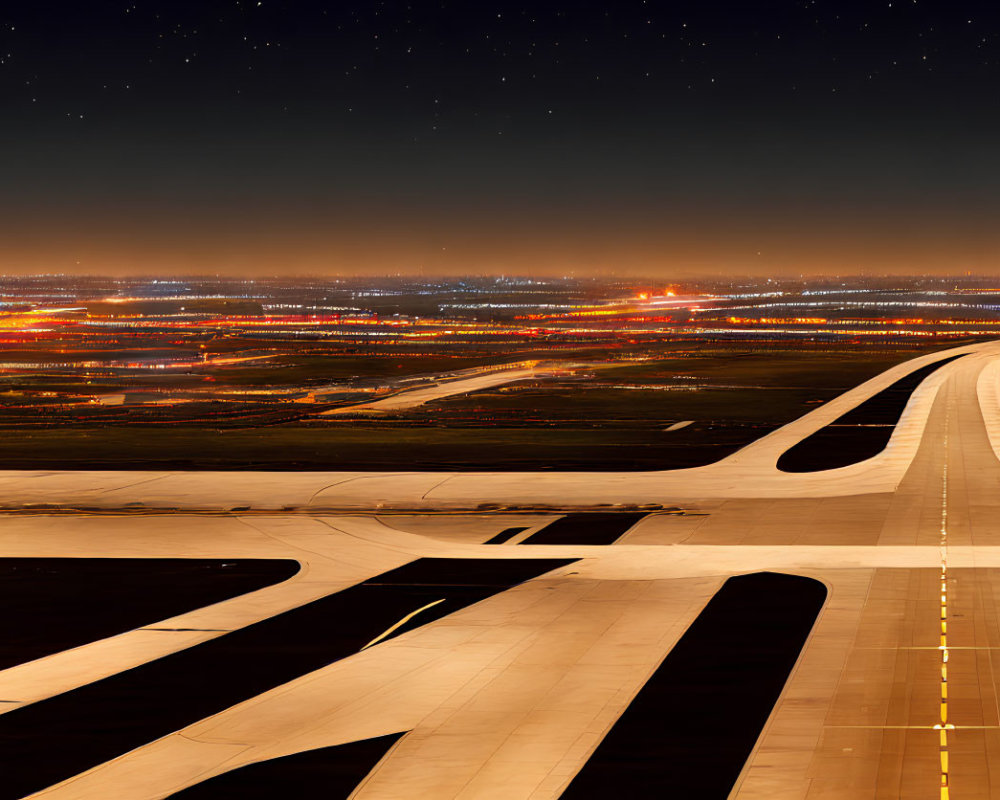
(446, 388)
(566, 629)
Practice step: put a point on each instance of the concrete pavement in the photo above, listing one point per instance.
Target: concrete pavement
(509, 697)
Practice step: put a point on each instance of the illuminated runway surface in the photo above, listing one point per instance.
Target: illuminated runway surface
(505, 682)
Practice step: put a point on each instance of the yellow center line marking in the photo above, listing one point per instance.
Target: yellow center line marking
(943, 615)
(402, 622)
(931, 647)
(939, 727)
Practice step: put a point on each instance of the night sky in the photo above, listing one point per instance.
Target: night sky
(637, 138)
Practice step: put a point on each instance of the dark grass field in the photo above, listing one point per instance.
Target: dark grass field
(53, 739)
(610, 419)
(861, 433)
(691, 727)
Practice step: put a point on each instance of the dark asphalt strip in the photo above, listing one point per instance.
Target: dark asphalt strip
(604, 527)
(505, 535)
(328, 772)
(54, 739)
(861, 433)
(693, 724)
(54, 604)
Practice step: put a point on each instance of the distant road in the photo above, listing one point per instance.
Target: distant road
(427, 394)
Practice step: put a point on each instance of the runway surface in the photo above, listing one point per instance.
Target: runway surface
(529, 652)
(437, 391)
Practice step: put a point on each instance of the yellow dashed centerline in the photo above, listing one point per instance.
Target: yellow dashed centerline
(944, 725)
